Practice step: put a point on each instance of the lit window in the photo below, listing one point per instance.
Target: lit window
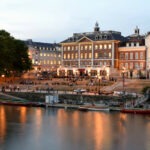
(90, 55)
(96, 46)
(100, 46)
(85, 55)
(90, 47)
(68, 56)
(109, 55)
(44, 54)
(81, 56)
(109, 46)
(68, 48)
(81, 47)
(86, 47)
(41, 54)
(76, 55)
(105, 46)
(64, 56)
(72, 56)
(96, 55)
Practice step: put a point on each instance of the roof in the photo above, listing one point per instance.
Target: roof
(96, 36)
(40, 44)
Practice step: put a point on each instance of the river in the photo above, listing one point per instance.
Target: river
(23, 128)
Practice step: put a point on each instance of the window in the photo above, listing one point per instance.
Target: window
(90, 55)
(76, 55)
(96, 46)
(68, 56)
(136, 55)
(100, 46)
(85, 55)
(132, 44)
(121, 56)
(81, 48)
(141, 65)
(136, 65)
(109, 46)
(105, 46)
(131, 55)
(127, 44)
(137, 44)
(101, 64)
(109, 54)
(131, 65)
(81, 56)
(96, 55)
(68, 48)
(141, 55)
(90, 47)
(126, 55)
(126, 65)
(64, 56)
(72, 56)
(86, 47)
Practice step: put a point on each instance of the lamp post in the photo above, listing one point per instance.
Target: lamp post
(99, 85)
(123, 81)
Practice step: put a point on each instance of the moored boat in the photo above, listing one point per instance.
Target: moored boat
(136, 111)
(98, 108)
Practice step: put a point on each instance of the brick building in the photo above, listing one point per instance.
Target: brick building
(90, 53)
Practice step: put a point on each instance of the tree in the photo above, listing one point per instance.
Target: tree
(14, 57)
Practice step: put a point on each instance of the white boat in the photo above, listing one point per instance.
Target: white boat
(99, 108)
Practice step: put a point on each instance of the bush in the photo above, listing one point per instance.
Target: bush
(145, 89)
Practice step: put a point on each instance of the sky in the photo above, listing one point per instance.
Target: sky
(55, 20)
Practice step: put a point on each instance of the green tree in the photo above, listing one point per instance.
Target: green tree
(13, 55)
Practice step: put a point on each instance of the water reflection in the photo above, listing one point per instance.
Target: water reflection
(2, 124)
(38, 128)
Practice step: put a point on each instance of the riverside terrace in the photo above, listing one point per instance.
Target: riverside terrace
(91, 85)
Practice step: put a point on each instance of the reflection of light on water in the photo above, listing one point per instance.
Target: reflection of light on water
(23, 113)
(2, 124)
(121, 124)
(38, 122)
(101, 124)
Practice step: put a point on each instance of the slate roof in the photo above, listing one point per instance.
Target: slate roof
(96, 36)
(40, 44)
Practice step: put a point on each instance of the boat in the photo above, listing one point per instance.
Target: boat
(83, 108)
(136, 110)
(98, 108)
(94, 107)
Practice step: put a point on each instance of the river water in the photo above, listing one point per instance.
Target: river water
(23, 128)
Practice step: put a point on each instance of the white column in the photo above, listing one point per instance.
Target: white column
(113, 50)
(92, 55)
(79, 56)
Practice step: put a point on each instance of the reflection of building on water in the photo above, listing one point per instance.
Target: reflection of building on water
(2, 124)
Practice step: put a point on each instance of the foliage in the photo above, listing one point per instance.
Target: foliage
(13, 55)
(145, 89)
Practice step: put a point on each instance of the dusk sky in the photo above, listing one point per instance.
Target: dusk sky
(55, 20)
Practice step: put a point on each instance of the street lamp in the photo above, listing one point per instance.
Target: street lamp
(123, 79)
(99, 85)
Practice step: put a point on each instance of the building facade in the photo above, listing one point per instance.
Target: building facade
(103, 53)
(91, 53)
(44, 56)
